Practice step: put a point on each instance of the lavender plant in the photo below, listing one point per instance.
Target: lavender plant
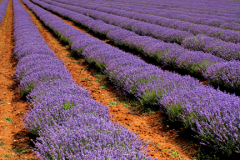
(226, 74)
(228, 51)
(3, 8)
(215, 118)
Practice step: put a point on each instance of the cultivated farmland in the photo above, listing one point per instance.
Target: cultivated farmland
(119, 79)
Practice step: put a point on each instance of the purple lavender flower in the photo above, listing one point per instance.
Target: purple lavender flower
(3, 8)
(226, 74)
(225, 50)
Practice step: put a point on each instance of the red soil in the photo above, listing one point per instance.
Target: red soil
(14, 142)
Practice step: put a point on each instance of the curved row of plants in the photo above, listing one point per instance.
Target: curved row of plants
(212, 114)
(68, 122)
(218, 71)
(226, 50)
(225, 22)
(3, 8)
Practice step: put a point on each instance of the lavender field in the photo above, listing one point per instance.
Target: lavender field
(185, 59)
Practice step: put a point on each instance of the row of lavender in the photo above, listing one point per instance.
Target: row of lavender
(157, 31)
(212, 45)
(216, 70)
(215, 7)
(221, 8)
(209, 112)
(211, 20)
(3, 8)
(162, 21)
(70, 124)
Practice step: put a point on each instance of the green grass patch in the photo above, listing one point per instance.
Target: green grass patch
(98, 80)
(103, 87)
(112, 103)
(2, 102)
(6, 156)
(67, 105)
(126, 105)
(2, 143)
(20, 150)
(8, 119)
(174, 154)
(97, 75)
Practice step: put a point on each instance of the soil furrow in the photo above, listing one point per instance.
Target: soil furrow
(14, 139)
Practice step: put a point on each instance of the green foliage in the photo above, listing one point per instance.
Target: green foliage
(173, 111)
(20, 150)
(162, 120)
(164, 150)
(101, 66)
(2, 102)
(126, 105)
(28, 89)
(89, 82)
(158, 56)
(98, 80)
(149, 111)
(150, 96)
(67, 105)
(174, 154)
(97, 75)
(204, 156)
(117, 99)
(8, 119)
(103, 87)
(6, 156)
(112, 103)
(204, 65)
(2, 143)
(4, 127)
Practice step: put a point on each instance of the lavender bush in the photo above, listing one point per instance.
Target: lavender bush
(108, 141)
(69, 123)
(3, 8)
(228, 51)
(226, 74)
(183, 97)
(215, 119)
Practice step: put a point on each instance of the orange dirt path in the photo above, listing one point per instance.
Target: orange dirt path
(165, 143)
(14, 140)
